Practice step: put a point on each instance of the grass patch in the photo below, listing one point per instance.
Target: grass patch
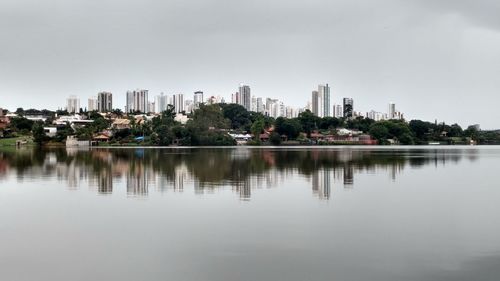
(12, 141)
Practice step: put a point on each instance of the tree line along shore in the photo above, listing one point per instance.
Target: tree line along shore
(226, 125)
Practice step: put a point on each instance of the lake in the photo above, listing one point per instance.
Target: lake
(296, 213)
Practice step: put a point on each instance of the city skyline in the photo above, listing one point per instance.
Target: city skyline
(435, 58)
(320, 104)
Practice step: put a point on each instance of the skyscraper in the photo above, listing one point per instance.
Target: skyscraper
(260, 105)
(197, 99)
(253, 107)
(337, 111)
(178, 102)
(324, 93)
(320, 101)
(104, 102)
(391, 113)
(348, 107)
(73, 104)
(244, 97)
(92, 106)
(235, 98)
(161, 103)
(316, 103)
(137, 100)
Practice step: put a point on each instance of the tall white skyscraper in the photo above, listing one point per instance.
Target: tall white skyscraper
(197, 99)
(104, 102)
(137, 100)
(244, 96)
(324, 93)
(161, 103)
(178, 102)
(317, 104)
(260, 106)
(337, 111)
(73, 104)
(253, 107)
(92, 106)
(391, 113)
(189, 106)
(151, 107)
(235, 98)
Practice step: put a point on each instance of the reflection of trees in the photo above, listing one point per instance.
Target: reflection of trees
(242, 168)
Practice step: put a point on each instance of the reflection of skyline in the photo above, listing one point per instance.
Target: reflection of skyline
(241, 169)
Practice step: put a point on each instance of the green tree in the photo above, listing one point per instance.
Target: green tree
(289, 127)
(309, 122)
(238, 115)
(379, 132)
(208, 117)
(19, 111)
(275, 138)
(38, 133)
(257, 129)
(472, 132)
(327, 123)
(21, 124)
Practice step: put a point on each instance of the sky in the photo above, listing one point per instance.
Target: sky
(436, 59)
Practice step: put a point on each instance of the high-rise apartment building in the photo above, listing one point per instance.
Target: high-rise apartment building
(73, 104)
(197, 99)
(92, 104)
(324, 92)
(253, 106)
(244, 97)
(348, 108)
(374, 115)
(151, 107)
(215, 99)
(178, 103)
(391, 113)
(137, 101)
(337, 111)
(161, 103)
(317, 104)
(260, 106)
(321, 101)
(235, 98)
(104, 102)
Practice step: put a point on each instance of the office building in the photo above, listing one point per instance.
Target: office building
(137, 101)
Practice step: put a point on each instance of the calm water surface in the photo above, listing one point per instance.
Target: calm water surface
(250, 214)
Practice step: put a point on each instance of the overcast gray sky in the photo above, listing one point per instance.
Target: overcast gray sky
(437, 59)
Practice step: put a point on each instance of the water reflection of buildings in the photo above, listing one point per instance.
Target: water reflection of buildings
(242, 170)
(322, 183)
